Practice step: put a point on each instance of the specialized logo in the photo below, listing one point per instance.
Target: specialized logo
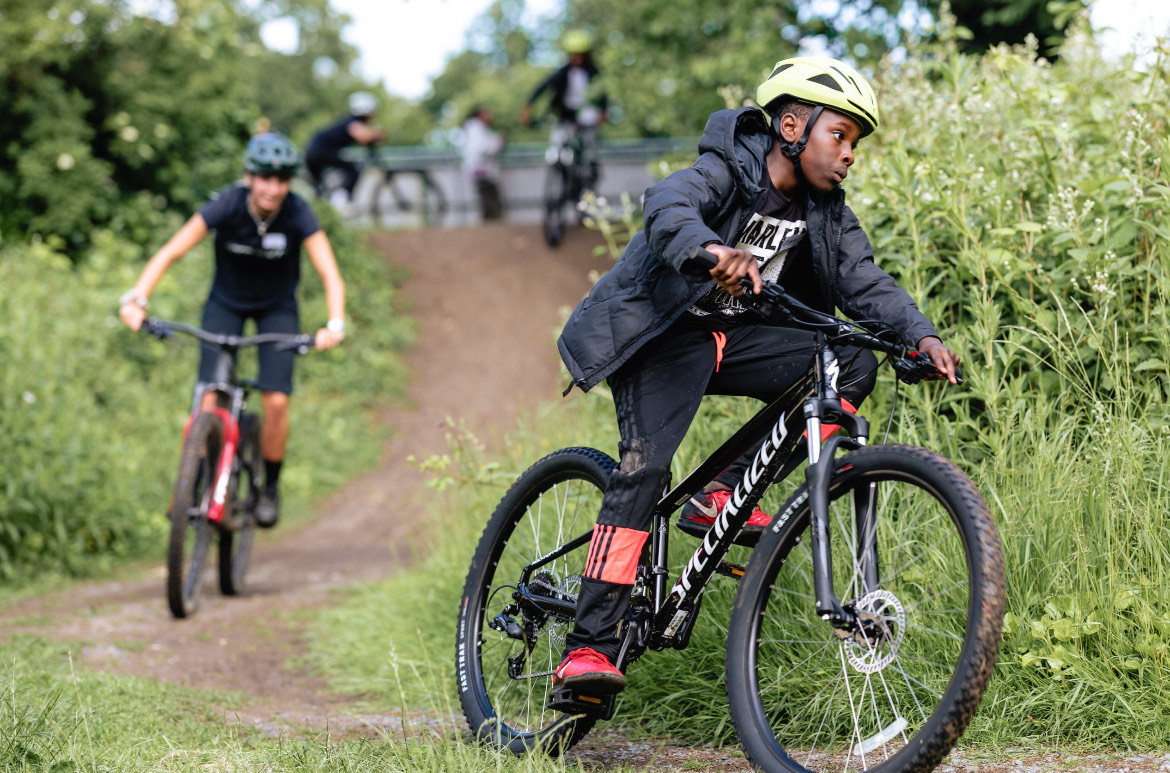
(831, 373)
(752, 478)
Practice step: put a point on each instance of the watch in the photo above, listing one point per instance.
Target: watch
(335, 326)
(135, 297)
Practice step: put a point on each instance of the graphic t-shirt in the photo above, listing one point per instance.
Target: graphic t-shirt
(772, 233)
(257, 271)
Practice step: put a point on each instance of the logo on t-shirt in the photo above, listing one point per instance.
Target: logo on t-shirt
(272, 247)
(274, 242)
(770, 239)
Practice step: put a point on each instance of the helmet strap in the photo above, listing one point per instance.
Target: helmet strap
(790, 150)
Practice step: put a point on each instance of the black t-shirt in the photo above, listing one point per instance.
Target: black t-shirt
(772, 234)
(257, 271)
(329, 141)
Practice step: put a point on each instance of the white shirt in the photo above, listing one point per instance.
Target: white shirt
(480, 146)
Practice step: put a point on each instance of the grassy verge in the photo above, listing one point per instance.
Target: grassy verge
(58, 716)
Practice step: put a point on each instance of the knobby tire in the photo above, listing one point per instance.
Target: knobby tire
(554, 501)
(235, 544)
(191, 532)
(556, 199)
(898, 696)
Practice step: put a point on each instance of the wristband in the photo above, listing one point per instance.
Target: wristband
(335, 326)
(135, 297)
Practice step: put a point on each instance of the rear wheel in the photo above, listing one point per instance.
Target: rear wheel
(191, 532)
(514, 616)
(556, 199)
(235, 544)
(898, 691)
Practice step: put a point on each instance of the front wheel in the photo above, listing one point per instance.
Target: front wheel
(191, 532)
(556, 199)
(898, 691)
(516, 612)
(235, 544)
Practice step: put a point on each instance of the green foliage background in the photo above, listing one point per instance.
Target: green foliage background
(1024, 204)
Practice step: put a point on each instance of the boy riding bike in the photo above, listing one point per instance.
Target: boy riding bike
(259, 229)
(575, 107)
(764, 197)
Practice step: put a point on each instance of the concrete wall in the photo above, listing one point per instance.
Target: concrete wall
(624, 169)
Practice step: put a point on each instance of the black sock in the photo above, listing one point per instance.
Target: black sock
(271, 474)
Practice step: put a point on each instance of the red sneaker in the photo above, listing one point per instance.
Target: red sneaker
(588, 670)
(701, 511)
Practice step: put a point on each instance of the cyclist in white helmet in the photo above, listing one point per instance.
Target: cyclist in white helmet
(765, 198)
(324, 150)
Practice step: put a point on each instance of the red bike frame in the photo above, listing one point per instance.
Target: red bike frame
(223, 476)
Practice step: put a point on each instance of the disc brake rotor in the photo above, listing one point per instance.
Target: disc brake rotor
(883, 627)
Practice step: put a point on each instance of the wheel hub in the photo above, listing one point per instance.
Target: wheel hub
(881, 629)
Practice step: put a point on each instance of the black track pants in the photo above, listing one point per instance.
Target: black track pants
(656, 395)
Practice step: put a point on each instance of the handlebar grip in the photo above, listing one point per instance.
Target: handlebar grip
(155, 327)
(699, 262)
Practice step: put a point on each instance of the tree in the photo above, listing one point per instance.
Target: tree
(991, 22)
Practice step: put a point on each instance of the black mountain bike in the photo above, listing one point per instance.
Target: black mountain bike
(567, 178)
(866, 623)
(218, 484)
(397, 190)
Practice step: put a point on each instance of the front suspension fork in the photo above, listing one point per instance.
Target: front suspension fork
(818, 478)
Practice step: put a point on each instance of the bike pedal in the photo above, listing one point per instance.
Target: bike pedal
(572, 701)
(727, 569)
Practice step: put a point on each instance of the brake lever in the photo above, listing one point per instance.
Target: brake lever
(916, 366)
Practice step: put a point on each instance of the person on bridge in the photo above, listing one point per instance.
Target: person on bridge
(481, 146)
(576, 99)
(324, 150)
(259, 229)
(765, 198)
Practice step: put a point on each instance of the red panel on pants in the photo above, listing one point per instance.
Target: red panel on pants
(613, 554)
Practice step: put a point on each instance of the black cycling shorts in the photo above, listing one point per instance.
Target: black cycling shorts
(276, 365)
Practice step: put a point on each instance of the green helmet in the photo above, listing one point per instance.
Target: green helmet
(271, 153)
(577, 42)
(818, 80)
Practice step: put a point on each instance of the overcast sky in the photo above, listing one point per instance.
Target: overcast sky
(406, 42)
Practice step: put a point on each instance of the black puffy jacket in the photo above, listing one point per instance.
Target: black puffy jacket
(646, 289)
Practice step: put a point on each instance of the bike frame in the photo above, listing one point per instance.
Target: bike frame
(234, 394)
(660, 619)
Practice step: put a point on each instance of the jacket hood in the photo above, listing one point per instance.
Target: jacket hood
(742, 139)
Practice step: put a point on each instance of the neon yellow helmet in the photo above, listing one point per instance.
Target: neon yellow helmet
(819, 80)
(577, 42)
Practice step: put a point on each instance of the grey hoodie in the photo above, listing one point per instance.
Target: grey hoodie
(649, 287)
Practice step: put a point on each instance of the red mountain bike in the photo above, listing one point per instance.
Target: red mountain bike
(219, 472)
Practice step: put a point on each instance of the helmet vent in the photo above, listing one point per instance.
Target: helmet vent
(826, 80)
(779, 70)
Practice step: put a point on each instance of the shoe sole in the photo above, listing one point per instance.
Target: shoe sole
(595, 684)
(748, 535)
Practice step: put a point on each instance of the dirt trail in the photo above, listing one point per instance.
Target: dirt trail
(487, 301)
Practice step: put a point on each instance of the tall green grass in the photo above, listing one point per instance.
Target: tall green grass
(91, 414)
(1024, 204)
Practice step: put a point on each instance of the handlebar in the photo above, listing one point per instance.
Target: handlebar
(161, 328)
(776, 305)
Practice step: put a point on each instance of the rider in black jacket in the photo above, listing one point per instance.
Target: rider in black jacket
(765, 198)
